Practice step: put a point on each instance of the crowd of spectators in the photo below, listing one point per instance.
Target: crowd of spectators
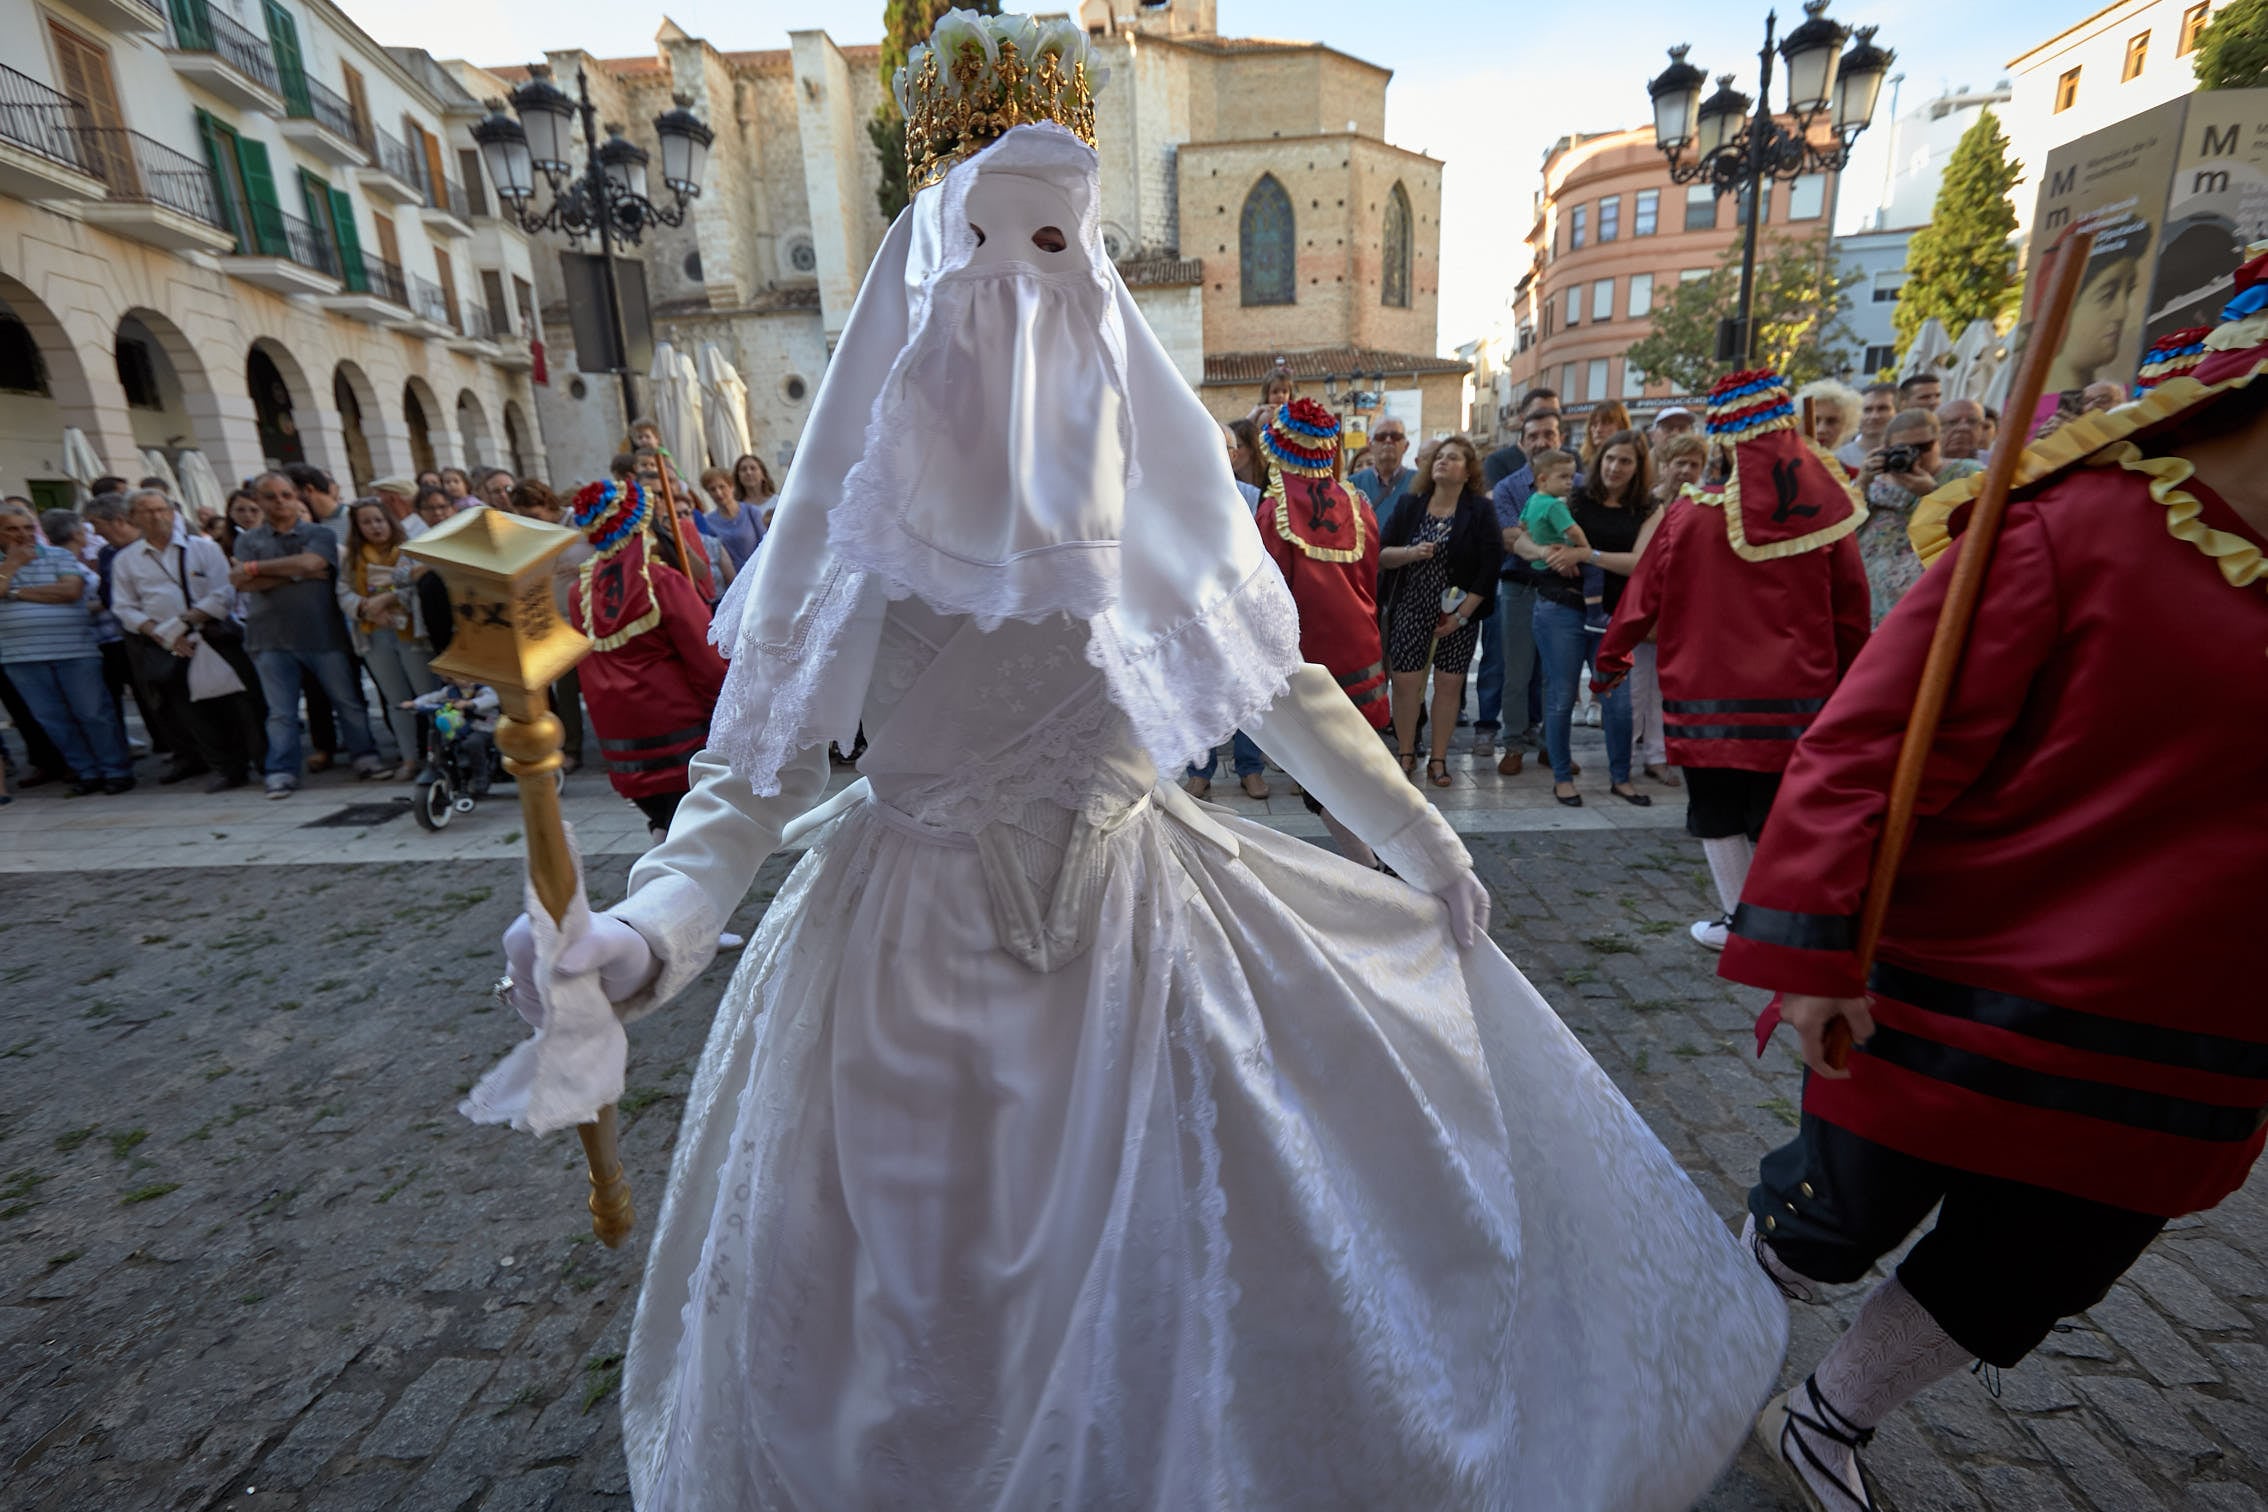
(288, 631)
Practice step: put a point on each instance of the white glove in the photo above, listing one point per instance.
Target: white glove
(1467, 902)
(618, 953)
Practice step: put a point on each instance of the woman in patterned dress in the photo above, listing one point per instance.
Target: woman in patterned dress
(1448, 541)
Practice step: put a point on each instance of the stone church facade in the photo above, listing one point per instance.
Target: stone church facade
(1250, 200)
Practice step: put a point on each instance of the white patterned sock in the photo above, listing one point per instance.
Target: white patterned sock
(1728, 865)
(1891, 1351)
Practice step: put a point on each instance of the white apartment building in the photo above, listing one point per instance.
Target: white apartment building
(244, 227)
(1922, 140)
(1921, 143)
(2118, 62)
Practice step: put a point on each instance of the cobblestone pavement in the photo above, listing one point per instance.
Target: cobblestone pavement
(250, 1256)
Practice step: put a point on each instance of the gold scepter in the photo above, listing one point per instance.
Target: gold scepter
(509, 634)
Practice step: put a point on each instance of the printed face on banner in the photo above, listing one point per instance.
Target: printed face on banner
(2112, 182)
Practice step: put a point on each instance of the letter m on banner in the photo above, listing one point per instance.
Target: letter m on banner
(2222, 143)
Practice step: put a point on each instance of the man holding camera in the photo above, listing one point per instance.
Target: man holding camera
(1908, 466)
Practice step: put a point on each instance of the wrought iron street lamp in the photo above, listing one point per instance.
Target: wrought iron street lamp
(1831, 96)
(607, 197)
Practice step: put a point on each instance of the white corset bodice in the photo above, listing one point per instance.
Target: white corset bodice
(1006, 742)
(967, 729)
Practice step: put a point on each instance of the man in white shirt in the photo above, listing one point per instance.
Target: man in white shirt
(170, 590)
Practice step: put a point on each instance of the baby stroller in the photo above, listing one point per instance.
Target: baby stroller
(461, 765)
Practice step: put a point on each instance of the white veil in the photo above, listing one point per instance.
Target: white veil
(1000, 434)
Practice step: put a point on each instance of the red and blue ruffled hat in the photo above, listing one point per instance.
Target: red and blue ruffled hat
(1302, 437)
(2171, 356)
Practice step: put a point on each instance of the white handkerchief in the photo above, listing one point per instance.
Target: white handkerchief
(575, 1062)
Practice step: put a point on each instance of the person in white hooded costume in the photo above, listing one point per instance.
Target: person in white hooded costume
(1062, 1142)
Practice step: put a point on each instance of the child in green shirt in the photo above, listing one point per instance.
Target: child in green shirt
(1549, 522)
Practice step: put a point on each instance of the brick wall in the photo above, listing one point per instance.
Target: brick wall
(1377, 168)
(1315, 173)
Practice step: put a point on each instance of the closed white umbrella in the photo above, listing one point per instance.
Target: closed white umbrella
(155, 466)
(1931, 343)
(1972, 361)
(1995, 395)
(724, 407)
(200, 488)
(80, 463)
(677, 406)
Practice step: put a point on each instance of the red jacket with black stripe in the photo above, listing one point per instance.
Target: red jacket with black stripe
(2068, 990)
(1748, 651)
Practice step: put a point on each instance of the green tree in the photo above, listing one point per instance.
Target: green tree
(905, 25)
(1961, 266)
(1801, 298)
(2233, 53)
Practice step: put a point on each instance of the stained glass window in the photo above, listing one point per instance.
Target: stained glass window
(1395, 284)
(1266, 248)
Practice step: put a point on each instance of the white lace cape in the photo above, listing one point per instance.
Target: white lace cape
(1191, 624)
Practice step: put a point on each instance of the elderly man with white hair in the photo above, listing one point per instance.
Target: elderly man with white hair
(1961, 430)
(171, 593)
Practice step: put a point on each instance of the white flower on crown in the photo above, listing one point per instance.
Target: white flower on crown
(957, 34)
(1065, 39)
(960, 32)
(1021, 31)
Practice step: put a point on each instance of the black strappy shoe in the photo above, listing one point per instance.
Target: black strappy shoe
(1817, 1416)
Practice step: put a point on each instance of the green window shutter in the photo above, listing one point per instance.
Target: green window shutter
(291, 68)
(191, 26)
(268, 236)
(210, 132)
(315, 199)
(350, 243)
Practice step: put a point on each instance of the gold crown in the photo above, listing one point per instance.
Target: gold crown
(956, 107)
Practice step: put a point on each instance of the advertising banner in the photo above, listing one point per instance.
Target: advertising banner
(2218, 205)
(2113, 182)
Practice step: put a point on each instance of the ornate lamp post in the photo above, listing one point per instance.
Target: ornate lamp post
(1831, 99)
(607, 196)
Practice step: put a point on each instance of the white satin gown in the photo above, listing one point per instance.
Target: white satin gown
(1061, 1143)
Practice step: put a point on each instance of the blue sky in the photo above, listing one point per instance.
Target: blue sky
(1485, 85)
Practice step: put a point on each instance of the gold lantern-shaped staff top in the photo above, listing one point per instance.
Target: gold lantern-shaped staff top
(507, 632)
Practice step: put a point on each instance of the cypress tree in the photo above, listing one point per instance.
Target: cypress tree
(1960, 266)
(2233, 53)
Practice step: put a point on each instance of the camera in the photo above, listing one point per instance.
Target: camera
(1902, 459)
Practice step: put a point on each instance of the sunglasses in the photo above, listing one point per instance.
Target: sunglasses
(1389, 436)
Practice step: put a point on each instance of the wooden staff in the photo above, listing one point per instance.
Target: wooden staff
(669, 512)
(2064, 267)
(509, 635)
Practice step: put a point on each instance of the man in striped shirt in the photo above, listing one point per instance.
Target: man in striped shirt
(47, 642)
